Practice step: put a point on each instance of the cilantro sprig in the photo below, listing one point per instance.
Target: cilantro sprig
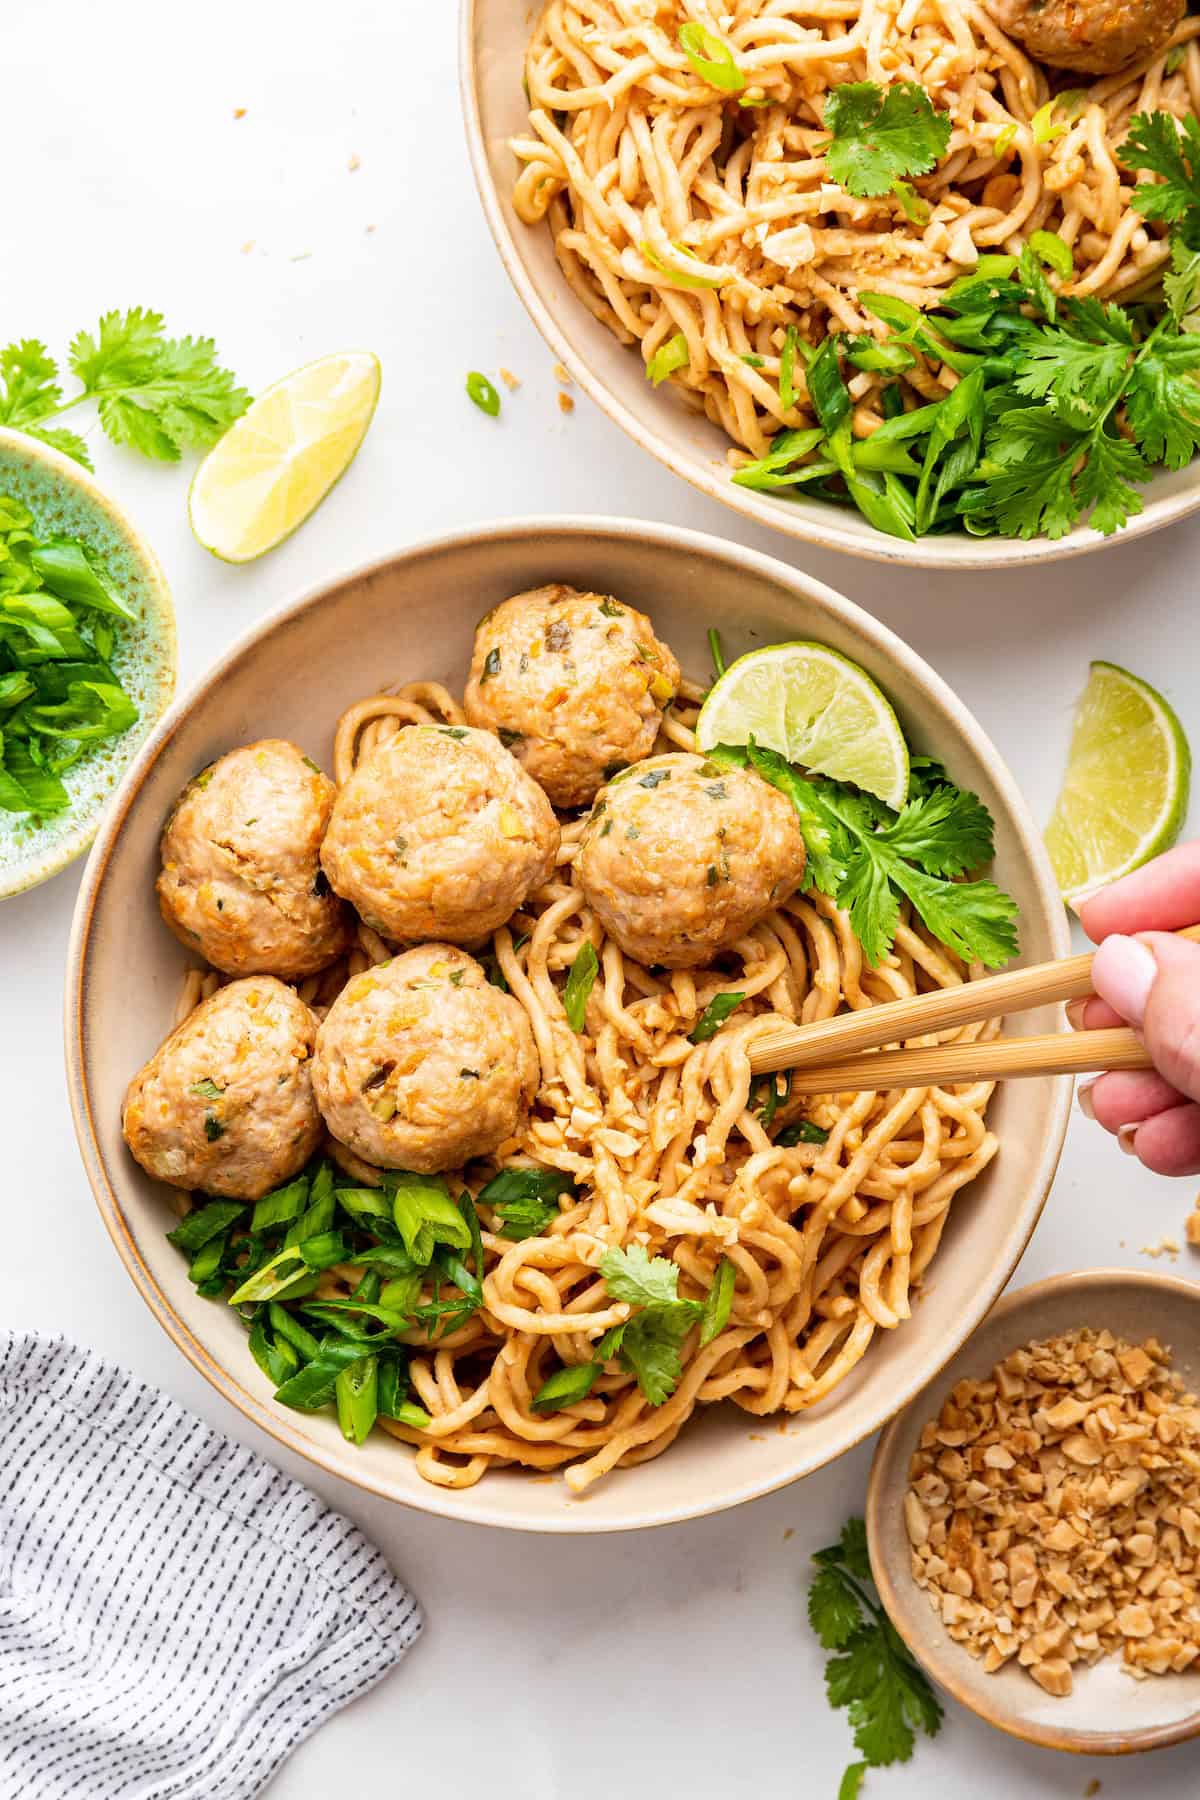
(870, 1672)
(879, 138)
(869, 858)
(157, 394)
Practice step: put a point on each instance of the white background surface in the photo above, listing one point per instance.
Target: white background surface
(666, 1662)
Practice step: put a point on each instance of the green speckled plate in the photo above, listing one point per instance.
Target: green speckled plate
(64, 499)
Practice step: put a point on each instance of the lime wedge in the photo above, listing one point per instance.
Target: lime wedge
(815, 707)
(280, 459)
(1125, 791)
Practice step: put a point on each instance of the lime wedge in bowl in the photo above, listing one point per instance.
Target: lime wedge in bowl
(1125, 792)
(815, 707)
(280, 459)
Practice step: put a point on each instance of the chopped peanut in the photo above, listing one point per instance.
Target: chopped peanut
(1053, 1511)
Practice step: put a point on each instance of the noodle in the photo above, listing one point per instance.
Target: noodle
(641, 167)
(664, 1141)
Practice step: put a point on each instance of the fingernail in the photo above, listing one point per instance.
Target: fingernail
(1083, 1097)
(1123, 973)
(1075, 1012)
(1125, 1137)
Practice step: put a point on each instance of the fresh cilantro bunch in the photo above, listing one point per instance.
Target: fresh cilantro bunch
(869, 858)
(158, 394)
(879, 139)
(887, 1696)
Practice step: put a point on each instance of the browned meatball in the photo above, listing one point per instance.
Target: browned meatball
(241, 881)
(1095, 37)
(226, 1104)
(575, 684)
(680, 858)
(439, 834)
(422, 1064)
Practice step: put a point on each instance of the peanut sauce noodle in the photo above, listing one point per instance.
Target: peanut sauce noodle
(665, 1143)
(644, 172)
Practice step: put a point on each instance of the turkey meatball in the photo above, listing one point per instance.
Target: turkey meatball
(439, 833)
(681, 857)
(241, 881)
(575, 684)
(1095, 37)
(422, 1064)
(227, 1103)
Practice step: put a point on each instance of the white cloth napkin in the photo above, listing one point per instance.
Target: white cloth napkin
(175, 1615)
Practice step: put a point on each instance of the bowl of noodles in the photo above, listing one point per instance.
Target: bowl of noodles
(651, 1287)
(849, 269)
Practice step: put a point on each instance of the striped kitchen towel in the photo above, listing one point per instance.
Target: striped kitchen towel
(175, 1615)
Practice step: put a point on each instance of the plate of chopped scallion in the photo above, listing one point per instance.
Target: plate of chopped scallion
(87, 656)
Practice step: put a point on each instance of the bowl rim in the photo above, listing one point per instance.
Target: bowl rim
(957, 552)
(880, 1483)
(30, 872)
(675, 539)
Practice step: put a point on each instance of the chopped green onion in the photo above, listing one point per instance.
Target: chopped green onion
(754, 362)
(719, 1302)
(1174, 60)
(787, 369)
(801, 1131)
(714, 1016)
(566, 1387)
(680, 277)
(667, 358)
(1053, 252)
(280, 1207)
(203, 1223)
(1005, 139)
(870, 353)
(711, 57)
(715, 651)
(1043, 126)
(916, 209)
(582, 975)
(485, 396)
(425, 1216)
(356, 1392)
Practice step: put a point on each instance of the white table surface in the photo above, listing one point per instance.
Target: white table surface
(673, 1661)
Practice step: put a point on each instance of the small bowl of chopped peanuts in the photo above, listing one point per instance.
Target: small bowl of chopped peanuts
(1034, 1515)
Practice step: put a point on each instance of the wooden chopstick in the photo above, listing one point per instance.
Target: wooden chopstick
(996, 1059)
(831, 1041)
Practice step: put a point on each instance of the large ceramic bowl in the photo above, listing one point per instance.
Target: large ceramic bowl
(67, 501)
(414, 615)
(494, 34)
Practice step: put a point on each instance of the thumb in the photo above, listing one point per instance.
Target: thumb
(1153, 981)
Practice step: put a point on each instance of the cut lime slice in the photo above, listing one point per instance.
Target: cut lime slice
(1125, 792)
(815, 707)
(280, 459)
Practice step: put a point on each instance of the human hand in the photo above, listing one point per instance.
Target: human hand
(1152, 982)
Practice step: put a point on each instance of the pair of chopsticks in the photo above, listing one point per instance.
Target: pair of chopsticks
(827, 1057)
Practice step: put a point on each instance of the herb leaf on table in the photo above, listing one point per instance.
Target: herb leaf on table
(159, 395)
(870, 1672)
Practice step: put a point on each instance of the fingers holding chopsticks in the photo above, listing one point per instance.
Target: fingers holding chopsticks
(1152, 982)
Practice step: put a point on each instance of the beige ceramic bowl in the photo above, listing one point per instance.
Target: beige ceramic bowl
(494, 34)
(414, 615)
(1108, 1713)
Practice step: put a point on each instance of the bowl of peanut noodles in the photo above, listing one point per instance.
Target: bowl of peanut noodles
(599, 1275)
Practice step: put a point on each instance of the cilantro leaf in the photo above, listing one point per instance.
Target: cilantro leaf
(834, 1609)
(1181, 286)
(879, 138)
(28, 383)
(638, 1279)
(887, 1696)
(1084, 367)
(650, 1347)
(161, 395)
(947, 831)
(1158, 142)
(649, 1342)
(1163, 401)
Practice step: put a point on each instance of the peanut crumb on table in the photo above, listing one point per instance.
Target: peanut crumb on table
(561, 374)
(512, 382)
(354, 163)
(565, 403)
(1164, 1247)
(1093, 1787)
(1191, 1228)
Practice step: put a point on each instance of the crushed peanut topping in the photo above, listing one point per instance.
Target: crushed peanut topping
(1053, 1511)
